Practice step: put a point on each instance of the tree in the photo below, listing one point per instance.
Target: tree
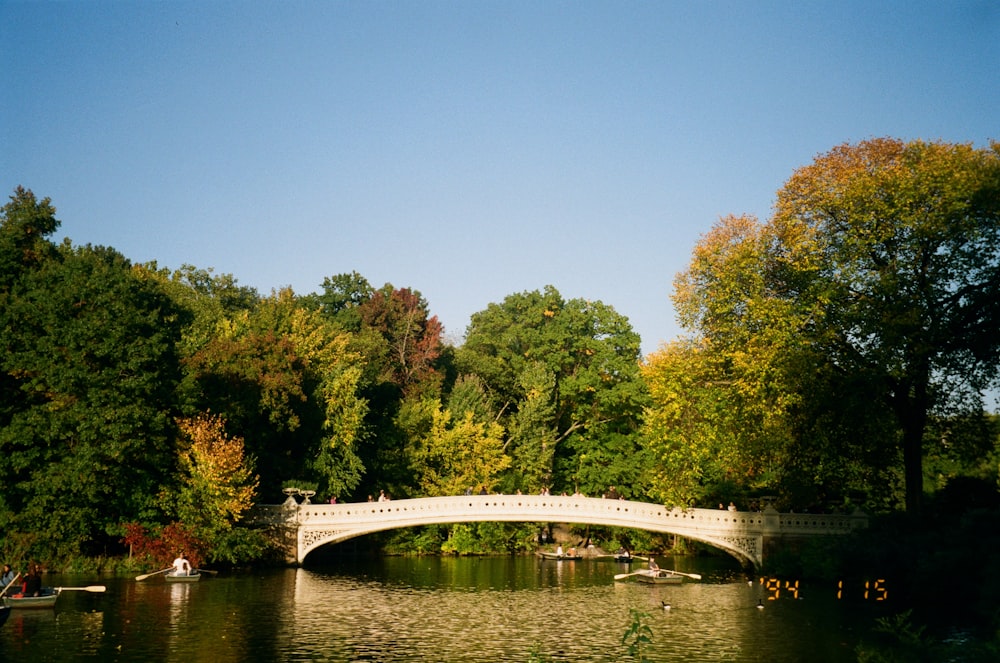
(400, 347)
(90, 353)
(726, 400)
(688, 425)
(412, 337)
(454, 454)
(259, 383)
(25, 224)
(211, 300)
(287, 382)
(565, 375)
(343, 295)
(877, 281)
(533, 432)
(896, 248)
(336, 372)
(217, 481)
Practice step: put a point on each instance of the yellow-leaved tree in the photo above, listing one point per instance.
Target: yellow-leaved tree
(218, 483)
(453, 455)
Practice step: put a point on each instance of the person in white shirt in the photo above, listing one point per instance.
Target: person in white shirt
(182, 567)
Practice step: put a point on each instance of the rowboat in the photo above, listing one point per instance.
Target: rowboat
(4, 614)
(190, 577)
(46, 600)
(658, 577)
(560, 557)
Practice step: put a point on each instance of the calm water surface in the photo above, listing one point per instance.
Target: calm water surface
(436, 609)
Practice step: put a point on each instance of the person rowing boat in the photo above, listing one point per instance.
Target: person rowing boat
(182, 567)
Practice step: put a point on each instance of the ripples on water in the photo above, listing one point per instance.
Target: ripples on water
(430, 609)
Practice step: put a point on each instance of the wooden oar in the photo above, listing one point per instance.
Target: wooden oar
(9, 584)
(207, 571)
(89, 588)
(150, 575)
(622, 576)
(689, 575)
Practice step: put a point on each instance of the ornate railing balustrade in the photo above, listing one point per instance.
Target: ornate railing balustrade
(743, 534)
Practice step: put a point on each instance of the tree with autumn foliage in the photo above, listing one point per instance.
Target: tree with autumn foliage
(287, 382)
(692, 434)
(217, 485)
(411, 337)
(874, 289)
(399, 349)
(453, 454)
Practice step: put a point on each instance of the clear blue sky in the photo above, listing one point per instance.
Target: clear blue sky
(467, 149)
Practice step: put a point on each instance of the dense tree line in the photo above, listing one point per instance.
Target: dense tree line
(837, 354)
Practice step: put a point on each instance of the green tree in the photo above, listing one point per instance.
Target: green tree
(342, 297)
(258, 383)
(533, 430)
(454, 454)
(211, 299)
(895, 247)
(90, 362)
(25, 225)
(285, 380)
(565, 376)
(336, 372)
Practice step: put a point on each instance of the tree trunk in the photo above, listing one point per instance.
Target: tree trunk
(911, 413)
(913, 463)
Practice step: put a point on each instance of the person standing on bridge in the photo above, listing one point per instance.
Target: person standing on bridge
(382, 496)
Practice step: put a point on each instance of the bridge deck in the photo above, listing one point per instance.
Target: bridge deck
(740, 533)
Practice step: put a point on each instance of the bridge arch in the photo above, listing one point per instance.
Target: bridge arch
(742, 534)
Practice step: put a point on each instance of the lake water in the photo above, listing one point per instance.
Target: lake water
(440, 609)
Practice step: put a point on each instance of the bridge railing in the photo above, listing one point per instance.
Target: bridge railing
(742, 533)
(544, 508)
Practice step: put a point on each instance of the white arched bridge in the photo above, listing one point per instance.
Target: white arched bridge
(744, 534)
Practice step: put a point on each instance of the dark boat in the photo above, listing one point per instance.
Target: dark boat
(4, 614)
(628, 559)
(46, 600)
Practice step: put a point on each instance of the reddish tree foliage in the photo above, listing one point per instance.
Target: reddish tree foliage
(413, 338)
(172, 540)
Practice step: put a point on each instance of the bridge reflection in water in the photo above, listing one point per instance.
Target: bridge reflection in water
(744, 534)
(501, 608)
